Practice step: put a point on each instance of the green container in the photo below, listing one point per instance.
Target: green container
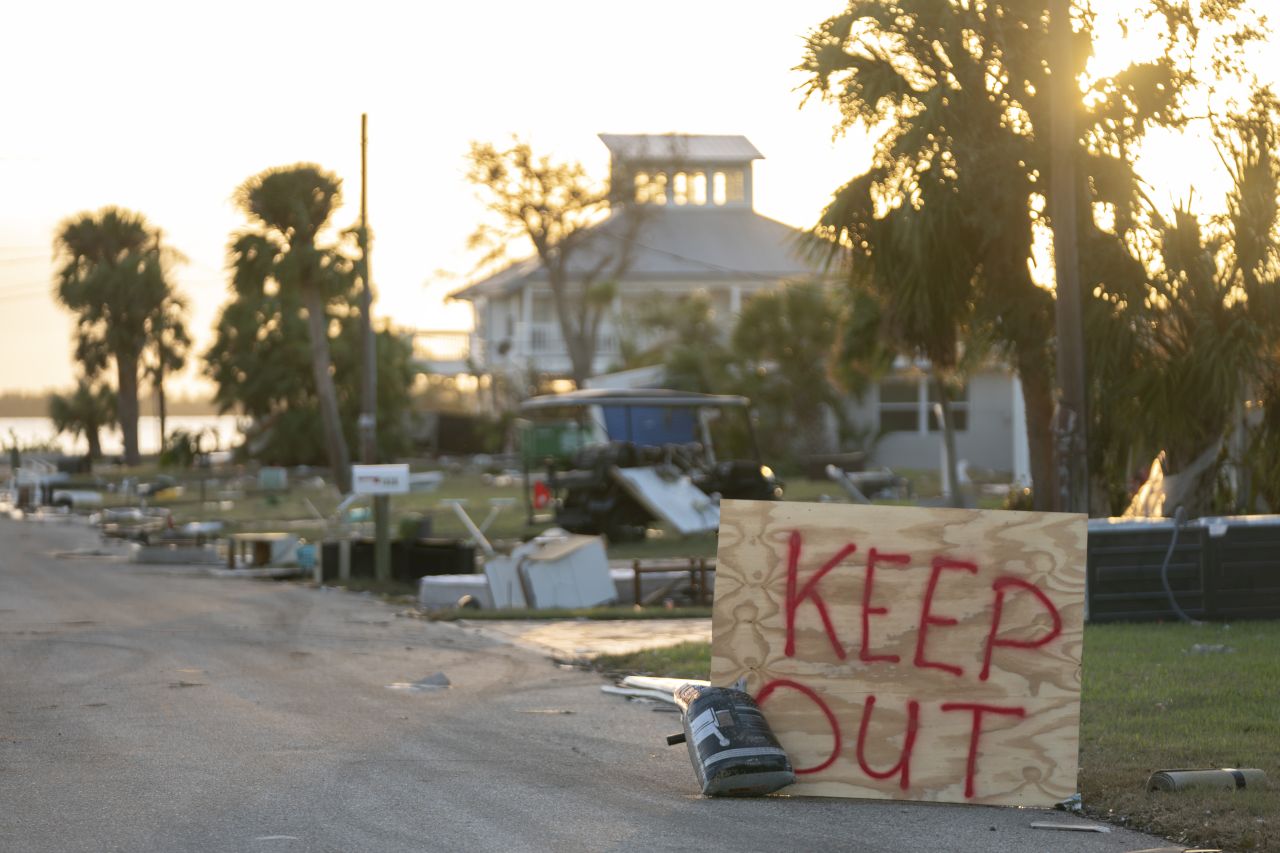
(550, 442)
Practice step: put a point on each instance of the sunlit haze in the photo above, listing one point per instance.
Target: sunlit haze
(165, 108)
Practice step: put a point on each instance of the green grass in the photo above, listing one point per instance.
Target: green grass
(252, 510)
(1148, 704)
(683, 660)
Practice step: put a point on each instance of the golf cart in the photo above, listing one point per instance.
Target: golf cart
(614, 462)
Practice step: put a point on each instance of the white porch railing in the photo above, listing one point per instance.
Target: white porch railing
(544, 339)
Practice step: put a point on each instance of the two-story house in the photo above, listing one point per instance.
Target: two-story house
(697, 231)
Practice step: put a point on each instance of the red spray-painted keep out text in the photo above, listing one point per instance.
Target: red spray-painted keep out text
(809, 594)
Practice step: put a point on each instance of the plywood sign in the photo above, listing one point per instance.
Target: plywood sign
(908, 653)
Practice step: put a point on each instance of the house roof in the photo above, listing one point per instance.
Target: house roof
(676, 147)
(674, 243)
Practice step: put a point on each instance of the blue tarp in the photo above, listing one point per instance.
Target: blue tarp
(651, 426)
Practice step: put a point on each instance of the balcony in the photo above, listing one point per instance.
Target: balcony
(539, 345)
(544, 339)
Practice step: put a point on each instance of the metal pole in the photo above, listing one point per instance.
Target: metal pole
(1070, 420)
(369, 386)
(369, 396)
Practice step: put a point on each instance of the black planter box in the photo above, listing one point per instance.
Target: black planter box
(1221, 568)
(410, 559)
(1244, 571)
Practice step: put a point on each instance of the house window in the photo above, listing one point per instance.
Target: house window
(698, 188)
(735, 191)
(900, 405)
(541, 339)
(906, 405)
(959, 409)
(680, 188)
(651, 188)
(718, 188)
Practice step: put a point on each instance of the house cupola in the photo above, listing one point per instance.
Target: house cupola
(682, 170)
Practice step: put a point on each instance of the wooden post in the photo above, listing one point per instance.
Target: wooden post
(369, 387)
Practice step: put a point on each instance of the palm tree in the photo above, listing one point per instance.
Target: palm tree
(289, 206)
(112, 278)
(167, 354)
(84, 411)
(1180, 346)
(950, 209)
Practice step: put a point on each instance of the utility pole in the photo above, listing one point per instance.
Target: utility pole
(369, 387)
(1071, 417)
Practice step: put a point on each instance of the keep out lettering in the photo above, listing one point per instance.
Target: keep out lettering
(931, 624)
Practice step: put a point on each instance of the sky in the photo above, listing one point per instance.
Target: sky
(165, 108)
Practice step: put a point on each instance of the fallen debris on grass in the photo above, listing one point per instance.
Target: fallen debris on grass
(1228, 777)
(1211, 649)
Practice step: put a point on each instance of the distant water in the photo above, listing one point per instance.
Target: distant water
(29, 431)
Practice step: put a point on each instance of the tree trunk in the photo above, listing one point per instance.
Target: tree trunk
(160, 404)
(956, 496)
(579, 342)
(1037, 392)
(127, 406)
(95, 443)
(844, 427)
(318, 326)
(811, 437)
(581, 349)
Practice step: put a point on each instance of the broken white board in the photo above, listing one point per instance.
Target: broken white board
(673, 499)
(568, 572)
(506, 587)
(441, 591)
(667, 685)
(640, 693)
(651, 687)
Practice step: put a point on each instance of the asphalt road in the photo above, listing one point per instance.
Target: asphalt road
(152, 709)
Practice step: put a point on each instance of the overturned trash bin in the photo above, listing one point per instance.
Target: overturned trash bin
(733, 750)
